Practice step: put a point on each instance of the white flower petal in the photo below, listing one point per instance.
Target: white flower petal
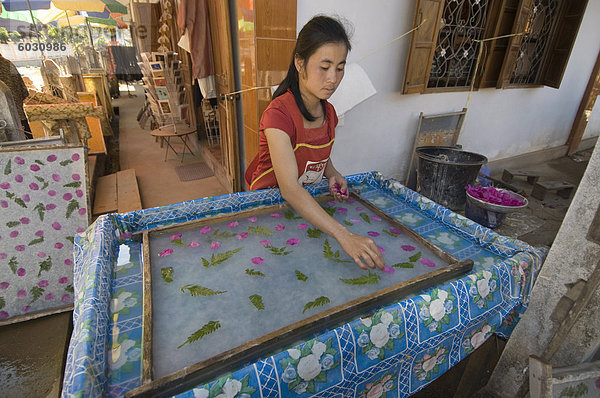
(386, 318)
(367, 322)
(294, 353)
(318, 349)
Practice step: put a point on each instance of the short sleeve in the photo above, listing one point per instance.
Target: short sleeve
(277, 117)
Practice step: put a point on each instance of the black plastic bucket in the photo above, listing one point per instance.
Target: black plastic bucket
(443, 173)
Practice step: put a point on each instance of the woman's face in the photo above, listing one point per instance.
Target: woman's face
(320, 76)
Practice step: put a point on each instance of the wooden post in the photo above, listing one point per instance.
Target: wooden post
(585, 109)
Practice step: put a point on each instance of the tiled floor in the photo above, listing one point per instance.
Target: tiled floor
(32, 353)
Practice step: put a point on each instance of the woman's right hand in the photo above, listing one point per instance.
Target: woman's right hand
(362, 250)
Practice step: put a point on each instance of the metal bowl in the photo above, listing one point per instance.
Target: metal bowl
(499, 208)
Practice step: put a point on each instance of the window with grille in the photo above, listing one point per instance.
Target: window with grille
(531, 46)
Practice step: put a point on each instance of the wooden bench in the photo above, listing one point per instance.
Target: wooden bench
(118, 192)
(562, 189)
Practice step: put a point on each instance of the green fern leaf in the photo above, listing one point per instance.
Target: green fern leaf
(12, 224)
(327, 250)
(219, 258)
(20, 202)
(36, 292)
(370, 279)
(256, 301)
(178, 242)
(390, 233)
(289, 215)
(74, 184)
(320, 301)
(259, 231)
(415, 257)
(404, 265)
(252, 272)
(348, 223)
(7, 169)
(330, 210)
(69, 288)
(73, 205)
(39, 162)
(167, 274)
(41, 209)
(2, 303)
(44, 182)
(218, 235)
(36, 241)
(66, 162)
(196, 290)
(205, 330)
(278, 252)
(70, 239)
(365, 217)
(13, 264)
(314, 233)
(301, 276)
(45, 265)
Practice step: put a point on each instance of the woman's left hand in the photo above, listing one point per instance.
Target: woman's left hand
(338, 186)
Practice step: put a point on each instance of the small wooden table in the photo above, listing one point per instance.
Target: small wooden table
(167, 132)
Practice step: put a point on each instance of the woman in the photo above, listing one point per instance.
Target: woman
(297, 131)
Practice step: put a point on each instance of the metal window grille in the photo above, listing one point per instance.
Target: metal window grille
(456, 53)
(535, 44)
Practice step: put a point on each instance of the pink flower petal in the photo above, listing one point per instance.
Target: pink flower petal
(373, 233)
(25, 308)
(56, 226)
(241, 236)
(407, 248)
(34, 167)
(4, 314)
(20, 248)
(49, 296)
(41, 254)
(205, 230)
(24, 220)
(4, 285)
(52, 192)
(302, 226)
(166, 252)
(14, 234)
(359, 208)
(279, 227)
(43, 283)
(395, 230)
(215, 245)
(19, 160)
(19, 178)
(265, 242)
(292, 242)
(64, 279)
(276, 215)
(58, 245)
(331, 203)
(66, 298)
(389, 270)
(175, 237)
(342, 210)
(194, 244)
(68, 262)
(21, 293)
(82, 211)
(252, 218)
(76, 177)
(233, 224)
(56, 177)
(381, 249)
(375, 218)
(354, 220)
(351, 200)
(21, 272)
(427, 262)
(257, 260)
(68, 196)
(75, 157)
(51, 158)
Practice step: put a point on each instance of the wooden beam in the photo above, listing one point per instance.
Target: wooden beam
(128, 193)
(585, 109)
(105, 199)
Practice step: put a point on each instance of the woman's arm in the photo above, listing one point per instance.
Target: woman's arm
(361, 249)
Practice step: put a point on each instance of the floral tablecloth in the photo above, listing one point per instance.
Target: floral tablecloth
(393, 353)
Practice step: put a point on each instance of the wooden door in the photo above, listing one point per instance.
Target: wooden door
(218, 11)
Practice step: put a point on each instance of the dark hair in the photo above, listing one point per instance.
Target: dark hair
(318, 31)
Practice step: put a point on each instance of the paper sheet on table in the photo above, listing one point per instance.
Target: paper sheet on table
(354, 89)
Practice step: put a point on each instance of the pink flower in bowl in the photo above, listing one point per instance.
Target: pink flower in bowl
(257, 260)
(215, 245)
(292, 242)
(242, 235)
(194, 244)
(205, 230)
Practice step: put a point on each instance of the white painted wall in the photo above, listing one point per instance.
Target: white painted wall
(378, 134)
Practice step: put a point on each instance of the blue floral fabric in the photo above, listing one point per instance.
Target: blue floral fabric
(394, 352)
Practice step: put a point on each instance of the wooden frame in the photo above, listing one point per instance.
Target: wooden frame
(210, 368)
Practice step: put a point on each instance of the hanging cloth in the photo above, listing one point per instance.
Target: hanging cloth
(193, 17)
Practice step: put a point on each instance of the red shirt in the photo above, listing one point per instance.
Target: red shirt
(312, 147)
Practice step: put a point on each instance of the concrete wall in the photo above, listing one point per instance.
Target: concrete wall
(378, 134)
